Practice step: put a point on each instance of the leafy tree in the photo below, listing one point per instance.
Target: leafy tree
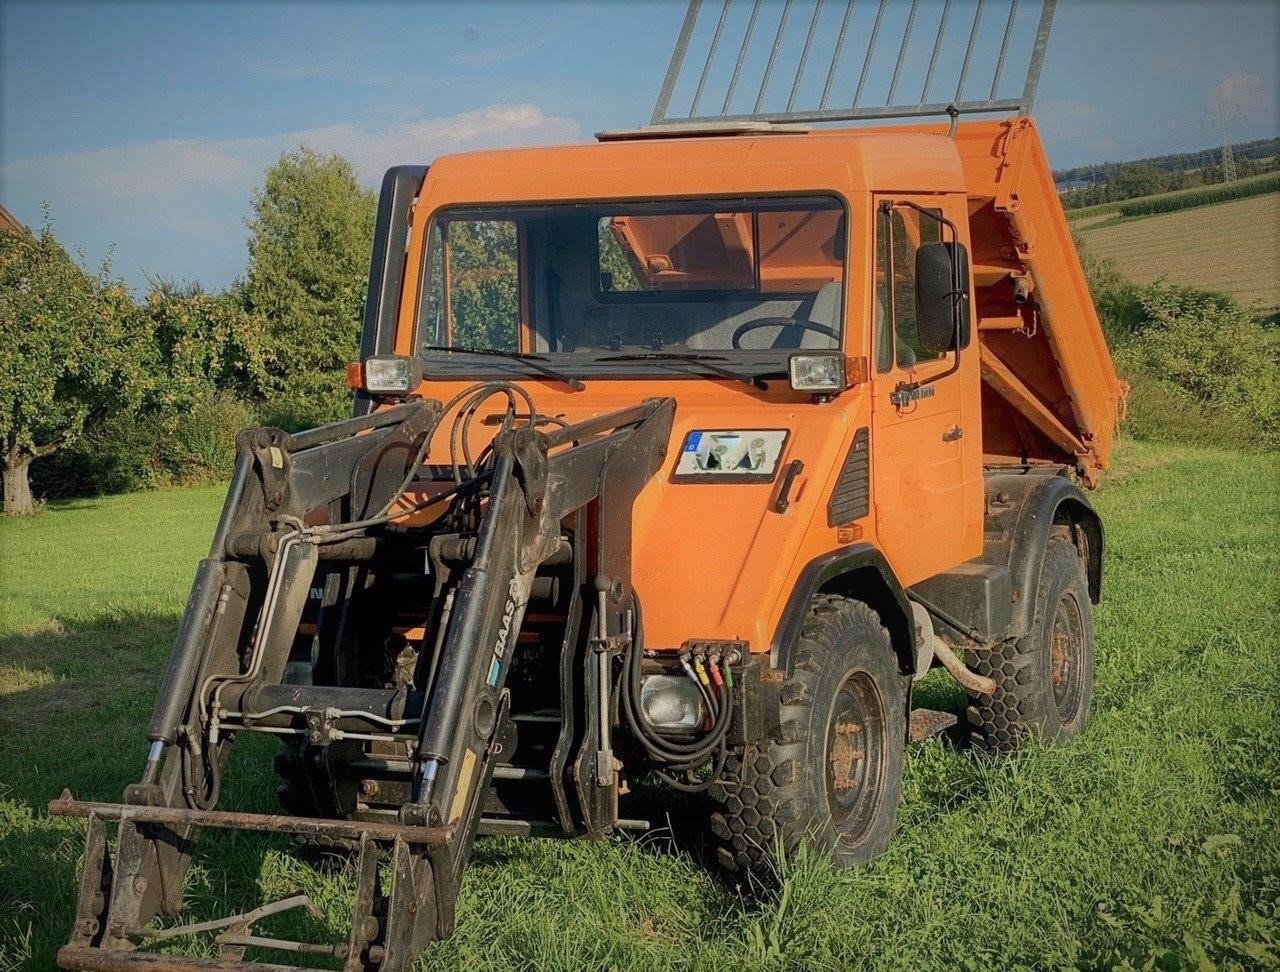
(201, 342)
(311, 235)
(1139, 180)
(67, 354)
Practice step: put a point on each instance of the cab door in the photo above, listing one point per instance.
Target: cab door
(925, 425)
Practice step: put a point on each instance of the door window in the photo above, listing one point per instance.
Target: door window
(900, 231)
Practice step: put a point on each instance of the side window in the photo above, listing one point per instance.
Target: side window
(471, 285)
(899, 234)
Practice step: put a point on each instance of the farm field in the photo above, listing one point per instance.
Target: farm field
(1200, 247)
(1150, 843)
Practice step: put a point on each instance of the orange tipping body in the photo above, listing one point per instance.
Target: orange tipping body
(1050, 389)
(1035, 384)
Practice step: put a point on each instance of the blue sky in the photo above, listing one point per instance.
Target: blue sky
(146, 125)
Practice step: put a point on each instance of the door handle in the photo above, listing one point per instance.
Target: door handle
(952, 434)
(794, 468)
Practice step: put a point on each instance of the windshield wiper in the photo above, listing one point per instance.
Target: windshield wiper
(702, 359)
(533, 360)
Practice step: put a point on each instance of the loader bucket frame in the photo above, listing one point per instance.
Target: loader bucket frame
(233, 646)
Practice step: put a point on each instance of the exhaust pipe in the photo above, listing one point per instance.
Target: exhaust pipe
(934, 647)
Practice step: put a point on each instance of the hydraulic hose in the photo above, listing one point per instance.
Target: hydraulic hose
(677, 756)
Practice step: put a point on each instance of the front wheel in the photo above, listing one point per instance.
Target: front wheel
(1044, 680)
(831, 775)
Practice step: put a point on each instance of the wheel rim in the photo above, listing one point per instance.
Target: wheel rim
(857, 756)
(1066, 658)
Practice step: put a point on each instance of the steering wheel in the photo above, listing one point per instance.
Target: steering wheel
(799, 322)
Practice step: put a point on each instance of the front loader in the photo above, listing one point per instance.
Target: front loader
(678, 460)
(541, 517)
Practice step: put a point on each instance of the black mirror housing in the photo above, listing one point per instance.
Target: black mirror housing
(942, 296)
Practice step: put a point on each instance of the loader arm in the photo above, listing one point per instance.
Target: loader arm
(303, 510)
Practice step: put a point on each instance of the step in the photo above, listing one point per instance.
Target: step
(930, 722)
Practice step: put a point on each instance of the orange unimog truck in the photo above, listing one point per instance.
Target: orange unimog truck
(683, 455)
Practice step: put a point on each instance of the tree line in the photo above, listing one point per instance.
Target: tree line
(102, 392)
(1144, 179)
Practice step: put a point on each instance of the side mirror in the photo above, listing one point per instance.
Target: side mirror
(942, 297)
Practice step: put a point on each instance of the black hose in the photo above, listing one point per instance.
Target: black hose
(485, 388)
(207, 799)
(676, 755)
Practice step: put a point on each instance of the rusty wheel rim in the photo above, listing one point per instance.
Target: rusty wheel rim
(1066, 658)
(857, 756)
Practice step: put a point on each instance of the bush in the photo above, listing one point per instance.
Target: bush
(306, 400)
(1202, 367)
(1160, 411)
(147, 450)
(199, 444)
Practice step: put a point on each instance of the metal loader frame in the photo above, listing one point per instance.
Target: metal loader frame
(297, 501)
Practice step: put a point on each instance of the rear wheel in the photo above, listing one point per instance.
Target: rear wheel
(1044, 680)
(831, 774)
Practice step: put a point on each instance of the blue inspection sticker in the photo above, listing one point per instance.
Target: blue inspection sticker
(691, 444)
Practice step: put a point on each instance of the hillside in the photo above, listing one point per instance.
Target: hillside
(1233, 247)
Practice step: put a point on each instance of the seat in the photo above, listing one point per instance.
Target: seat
(824, 308)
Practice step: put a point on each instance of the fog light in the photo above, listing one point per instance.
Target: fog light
(671, 702)
(391, 374)
(817, 372)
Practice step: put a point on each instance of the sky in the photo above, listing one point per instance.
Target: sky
(145, 126)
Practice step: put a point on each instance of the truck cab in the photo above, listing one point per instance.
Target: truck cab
(727, 269)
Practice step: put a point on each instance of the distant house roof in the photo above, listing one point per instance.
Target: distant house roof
(9, 223)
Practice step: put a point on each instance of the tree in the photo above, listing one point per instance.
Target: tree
(1139, 180)
(202, 341)
(67, 354)
(311, 235)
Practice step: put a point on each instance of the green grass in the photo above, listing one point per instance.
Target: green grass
(1149, 843)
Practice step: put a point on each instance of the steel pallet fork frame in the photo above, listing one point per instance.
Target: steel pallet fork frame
(855, 110)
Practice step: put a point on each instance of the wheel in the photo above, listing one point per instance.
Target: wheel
(831, 774)
(1044, 680)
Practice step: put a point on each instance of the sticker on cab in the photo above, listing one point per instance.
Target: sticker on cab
(730, 455)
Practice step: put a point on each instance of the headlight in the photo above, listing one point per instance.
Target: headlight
(671, 702)
(391, 374)
(817, 372)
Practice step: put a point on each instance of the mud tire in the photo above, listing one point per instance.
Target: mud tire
(1044, 680)
(786, 791)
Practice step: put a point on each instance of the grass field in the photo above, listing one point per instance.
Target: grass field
(1232, 247)
(1150, 843)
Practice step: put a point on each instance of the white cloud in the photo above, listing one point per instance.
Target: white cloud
(179, 189)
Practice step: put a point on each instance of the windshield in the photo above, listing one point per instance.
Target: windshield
(745, 281)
